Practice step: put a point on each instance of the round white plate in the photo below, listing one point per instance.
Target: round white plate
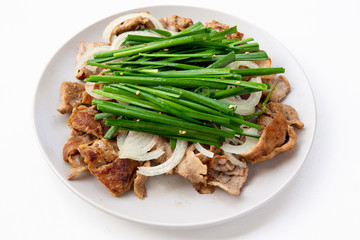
(172, 201)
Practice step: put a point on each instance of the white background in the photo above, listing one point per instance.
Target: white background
(322, 201)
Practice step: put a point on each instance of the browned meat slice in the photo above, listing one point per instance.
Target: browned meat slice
(176, 23)
(191, 167)
(72, 94)
(218, 26)
(115, 173)
(290, 113)
(132, 24)
(82, 119)
(82, 71)
(228, 176)
(163, 144)
(72, 144)
(276, 137)
(139, 183)
(281, 90)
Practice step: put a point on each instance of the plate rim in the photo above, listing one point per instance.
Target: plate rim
(146, 222)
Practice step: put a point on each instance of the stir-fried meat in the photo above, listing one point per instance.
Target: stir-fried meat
(163, 144)
(281, 90)
(115, 173)
(228, 176)
(191, 167)
(290, 113)
(82, 119)
(263, 120)
(72, 94)
(176, 23)
(83, 71)
(72, 155)
(72, 144)
(218, 26)
(277, 137)
(139, 183)
(132, 24)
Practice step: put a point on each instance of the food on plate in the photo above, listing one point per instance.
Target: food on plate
(170, 96)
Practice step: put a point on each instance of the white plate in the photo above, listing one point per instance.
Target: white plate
(171, 201)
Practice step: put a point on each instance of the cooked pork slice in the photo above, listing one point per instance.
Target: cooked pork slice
(139, 183)
(277, 137)
(176, 23)
(204, 188)
(281, 90)
(71, 95)
(71, 146)
(132, 24)
(290, 113)
(82, 119)
(218, 26)
(116, 174)
(191, 167)
(83, 71)
(228, 176)
(163, 144)
(78, 164)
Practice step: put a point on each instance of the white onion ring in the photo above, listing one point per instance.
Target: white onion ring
(89, 87)
(88, 55)
(203, 150)
(119, 20)
(172, 162)
(117, 41)
(245, 107)
(234, 160)
(136, 146)
(249, 143)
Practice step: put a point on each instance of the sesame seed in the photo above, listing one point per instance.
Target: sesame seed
(166, 49)
(121, 73)
(231, 106)
(238, 82)
(137, 92)
(214, 55)
(247, 52)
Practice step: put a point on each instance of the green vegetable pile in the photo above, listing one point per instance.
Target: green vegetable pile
(174, 84)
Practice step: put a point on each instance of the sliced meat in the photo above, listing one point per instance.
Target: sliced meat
(83, 71)
(163, 144)
(218, 26)
(82, 119)
(132, 24)
(72, 144)
(276, 137)
(139, 183)
(290, 113)
(191, 167)
(176, 23)
(78, 164)
(116, 174)
(72, 94)
(228, 176)
(281, 90)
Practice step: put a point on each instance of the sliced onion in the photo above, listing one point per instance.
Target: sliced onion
(117, 41)
(203, 150)
(245, 107)
(88, 55)
(136, 146)
(234, 160)
(119, 20)
(89, 87)
(172, 162)
(120, 139)
(249, 143)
